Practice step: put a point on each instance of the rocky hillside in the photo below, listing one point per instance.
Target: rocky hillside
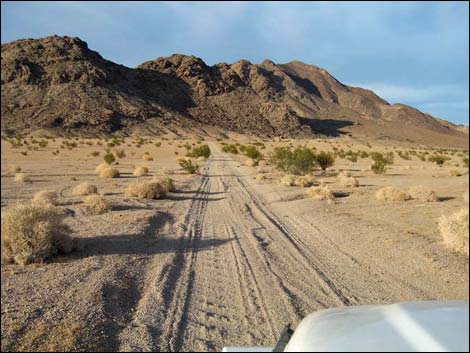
(57, 82)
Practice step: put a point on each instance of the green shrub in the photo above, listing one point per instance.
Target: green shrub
(201, 151)
(188, 166)
(438, 159)
(253, 153)
(325, 160)
(379, 167)
(109, 158)
(230, 149)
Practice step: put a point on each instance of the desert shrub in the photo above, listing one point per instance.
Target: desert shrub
(201, 159)
(145, 190)
(158, 144)
(109, 158)
(454, 230)
(348, 182)
(301, 161)
(251, 162)
(261, 177)
(288, 180)
(96, 204)
(438, 159)
(465, 162)
(119, 153)
(325, 160)
(386, 159)
(304, 180)
(454, 173)
(109, 173)
(22, 178)
(166, 182)
(14, 169)
(100, 167)
(321, 192)
(84, 189)
(45, 198)
(262, 163)
(140, 171)
(95, 153)
(423, 193)
(201, 151)
(252, 152)
(378, 167)
(390, 193)
(230, 149)
(32, 233)
(147, 157)
(188, 166)
(343, 174)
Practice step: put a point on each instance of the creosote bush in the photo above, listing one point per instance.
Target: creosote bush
(109, 158)
(146, 190)
(454, 231)
(33, 233)
(201, 151)
(84, 189)
(301, 161)
(325, 160)
(188, 166)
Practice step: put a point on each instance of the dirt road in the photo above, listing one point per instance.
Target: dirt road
(245, 267)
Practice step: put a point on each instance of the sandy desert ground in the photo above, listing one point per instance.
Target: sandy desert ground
(226, 259)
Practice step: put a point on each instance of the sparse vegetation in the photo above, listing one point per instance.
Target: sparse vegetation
(325, 160)
(230, 149)
(33, 233)
(301, 161)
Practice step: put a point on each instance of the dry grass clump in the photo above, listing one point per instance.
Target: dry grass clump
(109, 173)
(343, 174)
(14, 169)
(348, 182)
(151, 190)
(304, 181)
(45, 198)
(423, 193)
(147, 157)
(32, 233)
(251, 162)
(454, 173)
(322, 192)
(390, 193)
(261, 177)
(201, 159)
(84, 189)
(454, 230)
(288, 180)
(140, 171)
(100, 167)
(262, 163)
(97, 204)
(22, 178)
(166, 182)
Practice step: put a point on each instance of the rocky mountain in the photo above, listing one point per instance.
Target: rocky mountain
(58, 82)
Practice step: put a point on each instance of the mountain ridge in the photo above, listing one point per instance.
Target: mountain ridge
(58, 82)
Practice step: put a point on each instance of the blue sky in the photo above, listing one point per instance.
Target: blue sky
(409, 52)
